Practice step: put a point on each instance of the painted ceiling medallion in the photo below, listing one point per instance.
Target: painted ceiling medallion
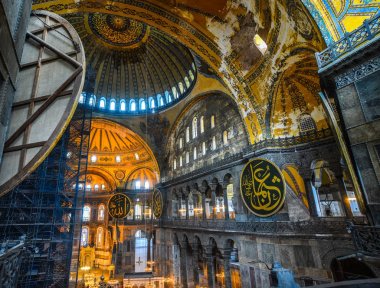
(116, 31)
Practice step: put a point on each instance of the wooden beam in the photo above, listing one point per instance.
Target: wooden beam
(55, 50)
(43, 107)
(39, 99)
(47, 27)
(46, 60)
(25, 146)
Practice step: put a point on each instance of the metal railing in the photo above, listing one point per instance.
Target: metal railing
(369, 30)
(366, 239)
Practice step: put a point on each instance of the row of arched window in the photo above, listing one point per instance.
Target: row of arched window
(141, 104)
(225, 138)
(87, 213)
(194, 129)
(99, 236)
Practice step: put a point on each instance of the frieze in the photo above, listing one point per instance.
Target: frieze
(357, 73)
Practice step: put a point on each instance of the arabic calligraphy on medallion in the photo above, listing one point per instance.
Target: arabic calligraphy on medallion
(262, 187)
(119, 205)
(157, 203)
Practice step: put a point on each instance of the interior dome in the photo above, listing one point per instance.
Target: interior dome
(132, 68)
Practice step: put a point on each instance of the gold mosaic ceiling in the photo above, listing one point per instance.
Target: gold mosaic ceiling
(128, 59)
(221, 33)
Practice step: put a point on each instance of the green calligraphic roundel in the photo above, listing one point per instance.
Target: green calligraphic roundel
(119, 205)
(157, 203)
(262, 187)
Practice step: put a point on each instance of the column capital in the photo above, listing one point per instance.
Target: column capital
(213, 186)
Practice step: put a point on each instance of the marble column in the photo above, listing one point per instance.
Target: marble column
(226, 253)
(195, 249)
(203, 191)
(344, 197)
(213, 199)
(210, 260)
(225, 199)
(183, 256)
(187, 206)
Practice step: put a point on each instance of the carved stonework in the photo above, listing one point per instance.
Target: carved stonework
(358, 73)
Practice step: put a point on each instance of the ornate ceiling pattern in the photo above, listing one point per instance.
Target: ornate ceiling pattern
(335, 18)
(221, 33)
(129, 61)
(116, 153)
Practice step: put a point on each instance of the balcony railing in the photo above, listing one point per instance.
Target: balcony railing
(312, 227)
(366, 239)
(369, 30)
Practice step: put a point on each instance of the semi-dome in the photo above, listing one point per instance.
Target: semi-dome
(132, 68)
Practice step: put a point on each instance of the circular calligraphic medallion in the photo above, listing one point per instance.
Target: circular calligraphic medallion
(119, 205)
(262, 187)
(157, 203)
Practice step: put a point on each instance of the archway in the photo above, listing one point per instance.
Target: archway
(350, 269)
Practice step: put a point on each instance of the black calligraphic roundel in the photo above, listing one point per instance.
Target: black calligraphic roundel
(119, 205)
(157, 203)
(262, 187)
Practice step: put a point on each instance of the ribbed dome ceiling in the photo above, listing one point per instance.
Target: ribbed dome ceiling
(129, 61)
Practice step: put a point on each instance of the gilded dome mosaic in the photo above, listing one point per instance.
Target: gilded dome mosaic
(116, 31)
(132, 68)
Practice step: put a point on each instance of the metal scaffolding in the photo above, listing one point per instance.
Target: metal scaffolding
(46, 209)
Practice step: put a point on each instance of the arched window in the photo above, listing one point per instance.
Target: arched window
(86, 213)
(187, 134)
(96, 187)
(82, 98)
(168, 97)
(146, 184)
(142, 105)
(175, 164)
(213, 143)
(138, 184)
(102, 103)
(180, 161)
(212, 121)
(195, 153)
(160, 100)
(93, 158)
(137, 157)
(101, 212)
(195, 127)
(99, 238)
(225, 137)
(112, 105)
(92, 100)
(181, 89)
(260, 43)
(187, 82)
(203, 148)
(180, 143)
(123, 106)
(84, 236)
(307, 123)
(132, 105)
(191, 74)
(193, 66)
(202, 124)
(175, 93)
(152, 104)
(118, 159)
(187, 157)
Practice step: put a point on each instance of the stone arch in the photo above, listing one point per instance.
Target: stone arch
(330, 255)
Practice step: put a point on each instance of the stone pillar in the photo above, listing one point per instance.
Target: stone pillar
(225, 199)
(143, 211)
(195, 205)
(183, 255)
(203, 191)
(195, 249)
(213, 199)
(210, 260)
(134, 211)
(227, 269)
(148, 256)
(344, 197)
(187, 206)
(310, 198)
